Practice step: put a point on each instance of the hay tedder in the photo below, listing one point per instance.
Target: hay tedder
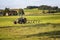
(23, 20)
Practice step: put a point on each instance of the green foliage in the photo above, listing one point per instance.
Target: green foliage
(6, 10)
(21, 12)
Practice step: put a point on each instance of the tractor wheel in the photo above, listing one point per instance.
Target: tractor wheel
(15, 22)
(25, 20)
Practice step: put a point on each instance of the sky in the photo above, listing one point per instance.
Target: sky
(25, 3)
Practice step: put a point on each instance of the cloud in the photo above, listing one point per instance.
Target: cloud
(34, 0)
(24, 3)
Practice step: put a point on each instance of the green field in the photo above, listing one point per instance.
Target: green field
(47, 26)
(36, 12)
(8, 20)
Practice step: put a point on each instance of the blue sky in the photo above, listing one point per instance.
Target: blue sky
(24, 3)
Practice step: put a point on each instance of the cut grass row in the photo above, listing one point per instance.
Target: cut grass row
(8, 20)
(10, 31)
(28, 31)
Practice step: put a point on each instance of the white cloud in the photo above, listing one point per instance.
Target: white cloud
(24, 3)
(34, 0)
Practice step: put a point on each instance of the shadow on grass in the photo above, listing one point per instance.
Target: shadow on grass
(34, 25)
(6, 39)
(51, 34)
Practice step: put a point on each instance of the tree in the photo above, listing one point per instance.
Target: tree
(55, 8)
(6, 11)
(21, 12)
(45, 7)
(32, 7)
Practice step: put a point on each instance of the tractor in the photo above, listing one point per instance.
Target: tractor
(22, 19)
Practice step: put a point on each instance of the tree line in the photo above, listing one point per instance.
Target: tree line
(45, 7)
(9, 12)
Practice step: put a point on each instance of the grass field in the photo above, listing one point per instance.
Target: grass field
(47, 26)
(36, 12)
(30, 31)
(8, 20)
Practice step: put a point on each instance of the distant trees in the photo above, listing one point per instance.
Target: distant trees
(32, 7)
(11, 12)
(50, 9)
(21, 12)
(45, 7)
(6, 11)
